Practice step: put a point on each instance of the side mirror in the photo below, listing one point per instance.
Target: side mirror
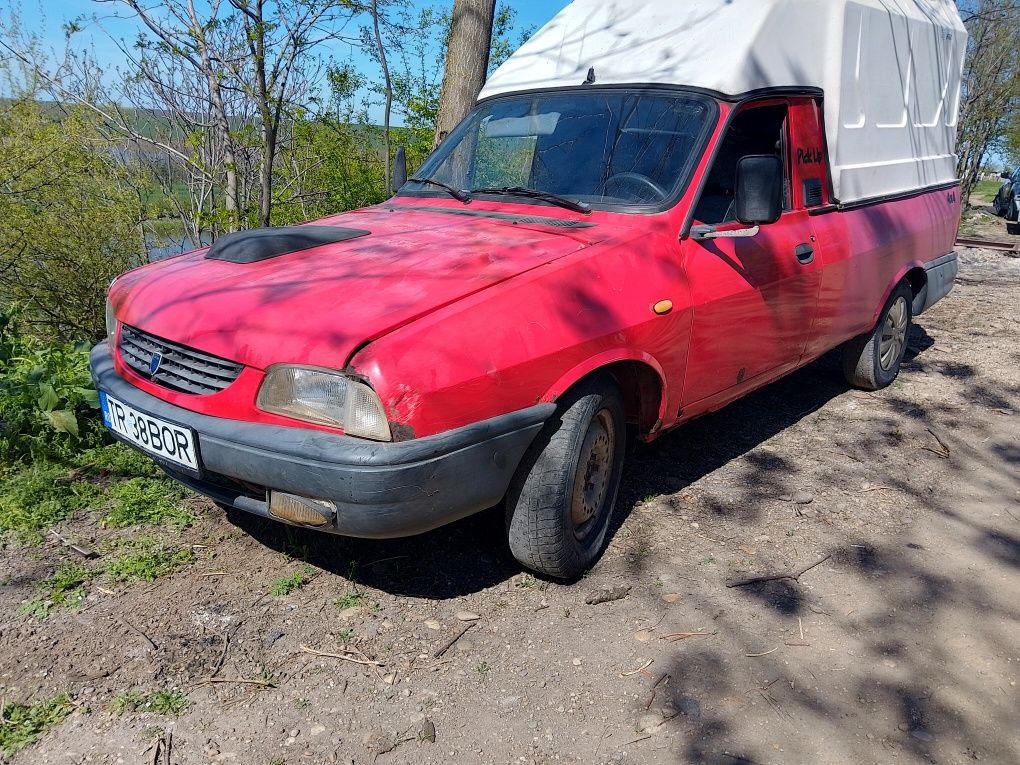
(1006, 174)
(759, 194)
(399, 169)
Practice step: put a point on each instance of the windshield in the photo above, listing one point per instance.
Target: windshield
(608, 148)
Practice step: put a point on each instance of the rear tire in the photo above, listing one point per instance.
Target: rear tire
(561, 500)
(872, 361)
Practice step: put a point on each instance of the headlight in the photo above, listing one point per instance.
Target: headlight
(111, 323)
(324, 397)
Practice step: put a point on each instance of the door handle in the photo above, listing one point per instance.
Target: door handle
(805, 253)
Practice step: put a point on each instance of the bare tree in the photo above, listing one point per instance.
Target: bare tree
(467, 62)
(991, 84)
(388, 95)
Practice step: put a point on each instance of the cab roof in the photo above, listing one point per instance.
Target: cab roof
(889, 70)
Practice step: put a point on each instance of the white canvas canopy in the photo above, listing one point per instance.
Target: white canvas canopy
(890, 70)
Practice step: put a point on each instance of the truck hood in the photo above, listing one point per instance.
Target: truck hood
(319, 305)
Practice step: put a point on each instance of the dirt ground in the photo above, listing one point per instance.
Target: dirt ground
(902, 645)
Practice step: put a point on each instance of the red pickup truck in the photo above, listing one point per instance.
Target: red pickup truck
(592, 254)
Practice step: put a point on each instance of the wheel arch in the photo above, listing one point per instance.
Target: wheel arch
(912, 273)
(640, 378)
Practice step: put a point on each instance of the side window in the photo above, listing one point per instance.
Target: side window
(758, 130)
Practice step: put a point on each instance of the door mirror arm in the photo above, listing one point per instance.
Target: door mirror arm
(702, 232)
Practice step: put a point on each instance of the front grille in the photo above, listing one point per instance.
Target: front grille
(182, 369)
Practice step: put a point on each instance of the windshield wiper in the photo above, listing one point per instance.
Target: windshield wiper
(458, 194)
(547, 196)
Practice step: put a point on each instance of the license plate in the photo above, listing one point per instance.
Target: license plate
(157, 437)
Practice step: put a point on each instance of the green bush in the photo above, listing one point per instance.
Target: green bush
(48, 404)
(69, 216)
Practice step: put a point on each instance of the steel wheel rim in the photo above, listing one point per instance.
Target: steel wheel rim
(894, 334)
(594, 474)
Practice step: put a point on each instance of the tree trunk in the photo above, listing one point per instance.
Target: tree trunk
(467, 61)
(269, 133)
(388, 85)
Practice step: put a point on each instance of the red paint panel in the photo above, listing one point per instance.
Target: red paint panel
(317, 306)
(868, 250)
(754, 305)
(528, 339)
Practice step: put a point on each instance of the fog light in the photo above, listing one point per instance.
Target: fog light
(301, 510)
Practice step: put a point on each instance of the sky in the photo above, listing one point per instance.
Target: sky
(48, 17)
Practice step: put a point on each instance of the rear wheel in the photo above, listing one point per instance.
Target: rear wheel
(561, 500)
(871, 361)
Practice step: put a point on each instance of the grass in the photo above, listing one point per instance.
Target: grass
(352, 599)
(985, 191)
(528, 582)
(266, 678)
(64, 588)
(129, 486)
(167, 702)
(24, 724)
(37, 496)
(119, 461)
(346, 635)
(129, 701)
(171, 703)
(150, 560)
(137, 501)
(285, 585)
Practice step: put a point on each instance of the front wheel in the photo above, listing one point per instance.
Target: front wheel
(871, 361)
(561, 500)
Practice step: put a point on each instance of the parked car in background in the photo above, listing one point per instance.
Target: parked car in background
(1006, 201)
(654, 208)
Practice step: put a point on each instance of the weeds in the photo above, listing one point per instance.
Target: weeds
(47, 402)
(285, 585)
(266, 678)
(152, 559)
(64, 588)
(352, 599)
(37, 496)
(129, 701)
(147, 500)
(119, 461)
(346, 635)
(168, 702)
(528, 582)
(24, 724)
(171, 703)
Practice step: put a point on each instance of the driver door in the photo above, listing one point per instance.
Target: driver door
(754, 298)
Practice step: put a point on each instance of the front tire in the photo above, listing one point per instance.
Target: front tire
(872, 361)
(561, 501)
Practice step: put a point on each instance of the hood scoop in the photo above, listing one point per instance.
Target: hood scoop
(264, 243)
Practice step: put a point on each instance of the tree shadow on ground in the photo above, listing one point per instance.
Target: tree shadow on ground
(472, 555)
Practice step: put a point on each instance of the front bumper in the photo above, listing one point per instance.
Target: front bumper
(380, 489)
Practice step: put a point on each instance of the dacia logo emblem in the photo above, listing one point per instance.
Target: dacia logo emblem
(154, 363)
